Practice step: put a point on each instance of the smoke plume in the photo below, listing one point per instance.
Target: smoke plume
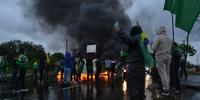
(85, 20)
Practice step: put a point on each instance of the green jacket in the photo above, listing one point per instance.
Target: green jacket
(22, 62)
(35, 66)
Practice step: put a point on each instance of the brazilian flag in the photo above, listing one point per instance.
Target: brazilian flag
(22, 62)
(186, 12)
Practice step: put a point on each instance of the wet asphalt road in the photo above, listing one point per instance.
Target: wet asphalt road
(102, 90)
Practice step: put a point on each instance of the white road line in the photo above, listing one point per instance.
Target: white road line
(5, 85)
(71, 87)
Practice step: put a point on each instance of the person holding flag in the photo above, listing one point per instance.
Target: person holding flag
(138, 57)
(47, 66)
(35, 69)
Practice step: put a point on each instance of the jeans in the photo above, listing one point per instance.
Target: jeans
(67, 75)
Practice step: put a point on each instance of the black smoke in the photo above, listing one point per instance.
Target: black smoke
(85, 20)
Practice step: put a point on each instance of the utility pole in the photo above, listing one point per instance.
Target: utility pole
(197, 59)
(187, 44)
(66, 45)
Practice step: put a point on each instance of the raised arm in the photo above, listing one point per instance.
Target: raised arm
(126, 39)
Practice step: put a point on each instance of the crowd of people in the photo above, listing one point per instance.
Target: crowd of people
(73, 64)
(166, 59)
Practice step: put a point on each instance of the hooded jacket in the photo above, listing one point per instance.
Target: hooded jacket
(162, 44)
(68, 60)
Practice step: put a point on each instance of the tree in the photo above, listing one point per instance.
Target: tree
(12, 49)
(54, 58)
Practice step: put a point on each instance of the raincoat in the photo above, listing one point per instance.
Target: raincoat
(35, 66)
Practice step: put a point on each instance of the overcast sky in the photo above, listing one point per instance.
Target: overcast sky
(15, 25)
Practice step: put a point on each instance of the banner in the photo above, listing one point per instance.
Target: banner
(91, 48)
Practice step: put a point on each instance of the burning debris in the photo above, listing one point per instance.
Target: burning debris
(85, 20)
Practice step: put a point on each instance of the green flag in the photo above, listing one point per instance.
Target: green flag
(187, 13)
(171, 5)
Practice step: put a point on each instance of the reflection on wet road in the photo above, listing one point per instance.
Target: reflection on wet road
(102, 90)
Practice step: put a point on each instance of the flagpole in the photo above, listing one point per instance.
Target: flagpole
(173, 28)
(187, 43)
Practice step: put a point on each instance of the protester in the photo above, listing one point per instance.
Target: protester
(47, 67)
(35, 69)
(174, 68)
(162, 46)
(41, 68)
(108, 65)
(89, 66)
(81, 64)
(121, 64)
(14, 74)
(56, 68)
(135, 59)
(67, 68)
(59, 65)
(99, 69)
(183, 68)
(22, 63)
(3, 69)
(73, 67)
(113, 65)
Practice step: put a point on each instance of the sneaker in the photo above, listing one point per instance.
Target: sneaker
(165, 93)
(13, 91)
(23, 90)
(176, 91)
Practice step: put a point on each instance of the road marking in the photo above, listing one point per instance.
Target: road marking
(71, 87)
(5, 86)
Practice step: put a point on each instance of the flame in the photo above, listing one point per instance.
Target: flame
(103, 76)
(147, 80)
(124, 86)
(84, 77)
(59, 76)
